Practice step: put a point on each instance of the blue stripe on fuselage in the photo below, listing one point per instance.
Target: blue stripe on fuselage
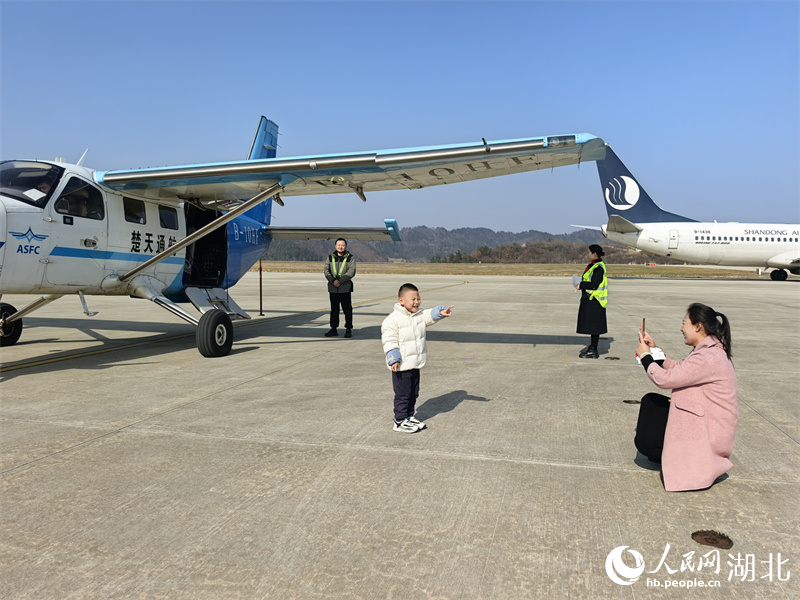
(106, 255)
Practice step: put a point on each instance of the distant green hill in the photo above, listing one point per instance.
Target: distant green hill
(423, 244)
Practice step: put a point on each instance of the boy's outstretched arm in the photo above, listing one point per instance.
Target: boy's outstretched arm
(440, 312)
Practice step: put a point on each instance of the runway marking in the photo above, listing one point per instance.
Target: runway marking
(47, 361)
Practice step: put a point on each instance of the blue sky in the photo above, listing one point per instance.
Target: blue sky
(699, 99)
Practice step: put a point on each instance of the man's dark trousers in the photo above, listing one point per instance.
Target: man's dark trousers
(347, 308)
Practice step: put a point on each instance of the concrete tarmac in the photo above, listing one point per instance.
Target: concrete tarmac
(134, 468)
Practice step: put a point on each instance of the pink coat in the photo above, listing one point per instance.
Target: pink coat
(703, 415)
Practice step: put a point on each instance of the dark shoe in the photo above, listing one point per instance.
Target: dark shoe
(591, 353)
(348, 333)
(583, 352)
(332, 333)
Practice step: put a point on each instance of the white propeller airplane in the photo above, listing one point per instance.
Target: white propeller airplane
(635, 220)
(188, 233)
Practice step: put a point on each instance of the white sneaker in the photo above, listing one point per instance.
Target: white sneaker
(406, 426)
(416, 421)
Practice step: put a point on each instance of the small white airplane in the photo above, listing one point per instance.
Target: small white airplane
(635, 220)
(188, 233)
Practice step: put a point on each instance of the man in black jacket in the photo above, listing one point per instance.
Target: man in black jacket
(340, 268)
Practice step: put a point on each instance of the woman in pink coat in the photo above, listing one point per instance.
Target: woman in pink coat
(691, 434)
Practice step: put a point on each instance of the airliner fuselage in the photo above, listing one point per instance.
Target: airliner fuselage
(759, 245)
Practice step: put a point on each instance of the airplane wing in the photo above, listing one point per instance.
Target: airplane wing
(225, 185)
(388, 234)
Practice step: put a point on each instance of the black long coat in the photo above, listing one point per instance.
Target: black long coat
(591, 315)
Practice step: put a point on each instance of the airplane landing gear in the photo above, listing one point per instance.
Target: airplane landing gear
(10, 332)
(778, 275)
(214, 334)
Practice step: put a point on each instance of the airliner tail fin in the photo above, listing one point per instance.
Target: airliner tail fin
(624, 196)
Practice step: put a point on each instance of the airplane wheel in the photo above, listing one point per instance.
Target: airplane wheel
(10, 332)
(214, 334)
(779, 275)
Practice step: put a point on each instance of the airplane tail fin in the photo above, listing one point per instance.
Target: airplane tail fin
(265, 145)
(625, 197)
(265, 142)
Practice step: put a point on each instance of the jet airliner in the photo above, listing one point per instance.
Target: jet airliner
(635, 220)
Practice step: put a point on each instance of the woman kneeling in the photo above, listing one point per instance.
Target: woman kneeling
(692, 434)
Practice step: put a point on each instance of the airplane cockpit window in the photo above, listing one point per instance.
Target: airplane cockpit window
(28, 181)
(168, 217)
(81, 199)
(134, 211)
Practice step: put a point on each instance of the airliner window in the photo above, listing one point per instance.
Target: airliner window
(81, 199)
(134, 211)
(29, 182)
(168, 217)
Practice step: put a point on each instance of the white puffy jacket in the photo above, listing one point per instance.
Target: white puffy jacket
(405, 331)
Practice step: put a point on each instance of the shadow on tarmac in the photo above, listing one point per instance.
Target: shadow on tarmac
(445, 403)
(286, 329)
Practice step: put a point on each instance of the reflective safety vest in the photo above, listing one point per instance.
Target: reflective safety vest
(337, 275)
(601, 293)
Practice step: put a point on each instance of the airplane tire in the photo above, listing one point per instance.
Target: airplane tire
(11, 331)
(214, 334)
(778, 275)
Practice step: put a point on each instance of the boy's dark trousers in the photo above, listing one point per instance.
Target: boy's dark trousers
(406, 391)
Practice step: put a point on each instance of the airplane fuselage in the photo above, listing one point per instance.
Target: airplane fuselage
(78, 235)
(761, 245)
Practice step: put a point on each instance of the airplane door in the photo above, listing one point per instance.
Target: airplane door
(673, 239)
(79, 235)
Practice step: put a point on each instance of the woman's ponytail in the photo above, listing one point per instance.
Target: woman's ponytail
(715, 323)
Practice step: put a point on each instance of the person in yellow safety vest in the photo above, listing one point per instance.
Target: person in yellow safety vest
(594, 298)
(340, 268)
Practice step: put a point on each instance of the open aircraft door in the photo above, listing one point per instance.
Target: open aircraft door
(79, 234)
(673, 239)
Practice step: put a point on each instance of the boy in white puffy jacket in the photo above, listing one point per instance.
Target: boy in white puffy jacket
(403, 338)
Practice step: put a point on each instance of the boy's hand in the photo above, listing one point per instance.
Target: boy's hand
(395, 366)
(447, 312)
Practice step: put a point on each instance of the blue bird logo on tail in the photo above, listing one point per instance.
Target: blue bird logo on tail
(622, 193)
